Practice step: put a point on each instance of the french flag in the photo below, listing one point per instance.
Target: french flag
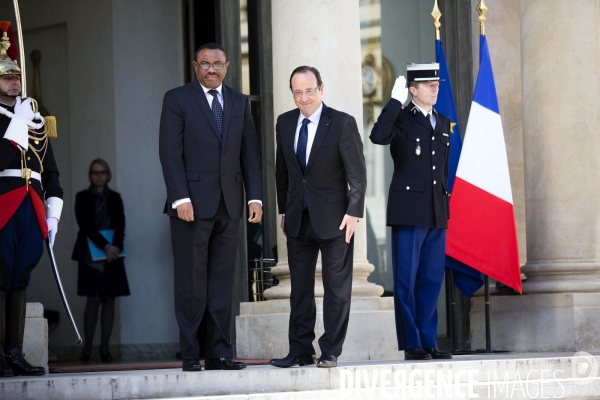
(481, 229)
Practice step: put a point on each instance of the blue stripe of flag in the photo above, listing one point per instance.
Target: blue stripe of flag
(445, 105)
(485, 89)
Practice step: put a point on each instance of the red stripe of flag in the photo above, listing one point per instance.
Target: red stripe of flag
(483, 235)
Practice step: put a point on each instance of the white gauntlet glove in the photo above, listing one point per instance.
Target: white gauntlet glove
(400, 91)
(23, 109)
(52, 229)
(53, 213)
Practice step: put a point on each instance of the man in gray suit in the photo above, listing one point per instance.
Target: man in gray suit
(209, 154)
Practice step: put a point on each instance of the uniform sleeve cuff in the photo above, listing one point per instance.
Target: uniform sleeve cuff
(17, 132)
(55, 205)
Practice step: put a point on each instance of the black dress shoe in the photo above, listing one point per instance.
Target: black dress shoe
(437, 354)
(21, 367)
(223, 363)
(5, 369)
(191, 365)
(327, 361)
(416, 354)
(106, 358)
(293, 359)
(85, 355)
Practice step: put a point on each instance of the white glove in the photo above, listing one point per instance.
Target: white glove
(23, 109)
(400, 91)
(52, 229)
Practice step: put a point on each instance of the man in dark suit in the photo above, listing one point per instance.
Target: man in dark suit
(321, 183)
(209, 155)
(417, 206)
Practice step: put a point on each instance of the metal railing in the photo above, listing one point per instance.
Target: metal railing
(260, 277)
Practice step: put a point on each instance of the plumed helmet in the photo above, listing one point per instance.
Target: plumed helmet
(8, 51)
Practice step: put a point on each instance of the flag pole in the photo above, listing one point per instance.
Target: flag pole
(482, 9)
(437, 15)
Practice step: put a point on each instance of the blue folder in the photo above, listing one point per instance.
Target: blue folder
(96, 253)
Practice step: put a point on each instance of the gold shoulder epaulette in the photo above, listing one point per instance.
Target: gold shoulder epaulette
(50, 125)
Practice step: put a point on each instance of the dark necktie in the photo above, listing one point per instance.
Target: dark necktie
(302, 143)
(301, 152)
(217, 110)
(431, 120)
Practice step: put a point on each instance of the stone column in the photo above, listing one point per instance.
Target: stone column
(561, 81)
(324, 35)
(560, 61)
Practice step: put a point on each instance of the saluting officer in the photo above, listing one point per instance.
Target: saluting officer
(30, 206)
(417, 206)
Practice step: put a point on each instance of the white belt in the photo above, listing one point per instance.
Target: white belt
(16, 173)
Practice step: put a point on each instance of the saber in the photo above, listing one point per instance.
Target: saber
(63, 296)
(21, 49)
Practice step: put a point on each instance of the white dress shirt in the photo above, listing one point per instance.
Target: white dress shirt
(312, 129)
(209, 98)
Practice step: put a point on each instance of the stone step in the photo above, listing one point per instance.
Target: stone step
(539, 375)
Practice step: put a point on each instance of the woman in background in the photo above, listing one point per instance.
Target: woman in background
(99, 208)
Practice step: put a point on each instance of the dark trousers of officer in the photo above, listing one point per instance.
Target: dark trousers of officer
(205, 252)
(336, 259)
(21, 247)
(418, 254)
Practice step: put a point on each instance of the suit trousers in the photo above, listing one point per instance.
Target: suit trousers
(418, 254)
(336, 259)
(205, 252)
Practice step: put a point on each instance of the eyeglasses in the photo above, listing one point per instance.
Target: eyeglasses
(216, 65)
(99, 173)
(309, 93)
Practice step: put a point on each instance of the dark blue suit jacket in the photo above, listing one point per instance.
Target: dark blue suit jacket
(201, 165)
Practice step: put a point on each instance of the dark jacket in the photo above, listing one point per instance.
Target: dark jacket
(85, 213)
(10, 158)
(418, 193)
(198, 163)
(336, 162)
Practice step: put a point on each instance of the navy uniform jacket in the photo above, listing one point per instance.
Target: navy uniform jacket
(418, 192)
(10, 158)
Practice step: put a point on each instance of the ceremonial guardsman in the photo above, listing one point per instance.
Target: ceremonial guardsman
(30, 205)
(417, 208)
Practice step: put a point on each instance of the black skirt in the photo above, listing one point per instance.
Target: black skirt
(110, 283)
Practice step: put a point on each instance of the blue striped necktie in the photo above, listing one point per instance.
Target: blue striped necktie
(217, 110)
